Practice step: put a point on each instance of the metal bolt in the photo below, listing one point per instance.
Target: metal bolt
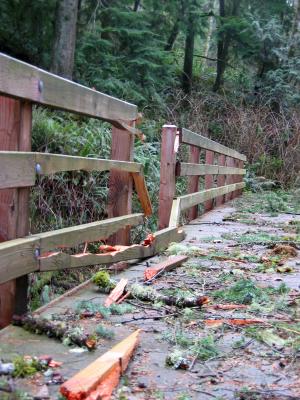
(38, 169)
(37, 253)
(41, 86)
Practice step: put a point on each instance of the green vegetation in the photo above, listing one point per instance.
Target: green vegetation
(245, 291)
(103, 332)
(103, 281)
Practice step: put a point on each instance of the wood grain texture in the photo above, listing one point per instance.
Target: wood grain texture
(60, 260)
(167, 174)
(193, 182)
(221, 178)
(209, 179)
(184, 202)
(142, 192)
(24, 81)
(120, 183)
(93, 231)
(17, 258)
(190, 169)
(203, 142)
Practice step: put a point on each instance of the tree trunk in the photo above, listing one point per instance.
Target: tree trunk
(223, 44)
(212, 6)
(136, 5)
(65, 38)
(187, 75)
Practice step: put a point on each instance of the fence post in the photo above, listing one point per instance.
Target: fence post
(193, 185)
(167, 174)
(220, 180)
(120, 183)
(209, 159)
(15, 134)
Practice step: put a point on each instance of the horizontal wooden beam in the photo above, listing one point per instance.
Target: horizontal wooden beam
(189, 169)
(163, 238)
(184, 202)
(74, 235)
(24, 81)
(19, 257)
(19, 169)
(197, 140)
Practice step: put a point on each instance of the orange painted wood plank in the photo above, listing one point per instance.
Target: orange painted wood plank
(99, 379)
(168, 265)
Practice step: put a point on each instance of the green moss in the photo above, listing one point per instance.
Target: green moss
(104, 332)
(102, 280)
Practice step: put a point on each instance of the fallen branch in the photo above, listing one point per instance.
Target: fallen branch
(58, 330)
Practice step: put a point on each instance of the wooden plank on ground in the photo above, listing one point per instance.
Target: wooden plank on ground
(195, 139)
(24, 81)
(189, 169)
(99, 379)
(165, 266)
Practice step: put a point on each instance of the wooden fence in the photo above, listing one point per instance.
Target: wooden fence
(223, 172)
(21, 86)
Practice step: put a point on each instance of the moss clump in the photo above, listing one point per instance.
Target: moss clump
(24, 367)
(104, 332)
(103, 281)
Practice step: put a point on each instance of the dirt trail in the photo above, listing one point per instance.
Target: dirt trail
(212, 352)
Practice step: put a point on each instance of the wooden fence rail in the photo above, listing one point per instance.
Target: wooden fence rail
(21, 86)
(223, 168)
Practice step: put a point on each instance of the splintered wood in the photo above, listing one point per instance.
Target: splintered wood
(99, 379)
(165, 266)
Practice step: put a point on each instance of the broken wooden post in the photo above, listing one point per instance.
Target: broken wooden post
(209, 179)
(120, 183)
(193, 185)
(221, 180)
(165, 266)
(169, 148)
(15, 134)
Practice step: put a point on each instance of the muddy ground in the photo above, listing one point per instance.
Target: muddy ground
(244, 257)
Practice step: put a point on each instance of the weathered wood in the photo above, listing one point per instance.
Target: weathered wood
(221, 178)
(184, 202)
(53, 163)
(142, 191)
(209, 180)
(120, 183)
(190, 169)
(61, 260)
(203, 142)
(19, 169)
(167, 174)
(165, 266)
(193, 184)
(93, 231)
(24, 81)
(98, 379)
(23, 225)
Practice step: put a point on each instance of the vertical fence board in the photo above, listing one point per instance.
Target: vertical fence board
(167, 174)
(120, 183)
(23, 204)
(193, 185)
(209, 159)
(221, 180)
(9, 132)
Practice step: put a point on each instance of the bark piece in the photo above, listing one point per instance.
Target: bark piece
(116, 293)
